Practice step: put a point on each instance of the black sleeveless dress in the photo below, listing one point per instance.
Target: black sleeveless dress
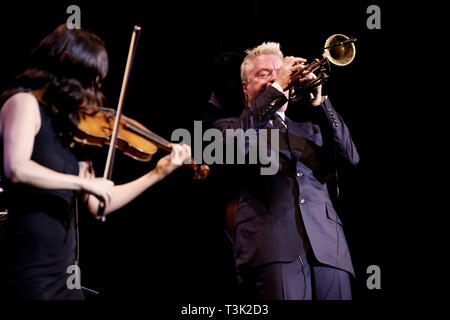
(39, 243)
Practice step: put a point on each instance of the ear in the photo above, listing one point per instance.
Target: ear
(244, 86)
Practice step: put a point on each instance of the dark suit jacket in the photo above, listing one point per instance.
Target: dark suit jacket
(275, 211)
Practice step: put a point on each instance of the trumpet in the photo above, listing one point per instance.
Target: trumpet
(339, 50)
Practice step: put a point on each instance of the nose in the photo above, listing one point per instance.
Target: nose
(272, 77)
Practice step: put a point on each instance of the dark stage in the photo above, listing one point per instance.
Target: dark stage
(166, 248)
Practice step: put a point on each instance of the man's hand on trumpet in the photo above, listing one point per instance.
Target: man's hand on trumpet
(317, 98)
(291, 72)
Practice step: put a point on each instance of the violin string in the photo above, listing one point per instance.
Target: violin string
(148, 134)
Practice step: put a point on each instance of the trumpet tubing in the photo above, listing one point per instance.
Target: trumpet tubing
(339, 50)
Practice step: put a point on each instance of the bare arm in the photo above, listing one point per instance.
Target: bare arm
(20, 121)
(124, 193)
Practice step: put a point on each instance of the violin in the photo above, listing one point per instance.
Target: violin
(133, 139)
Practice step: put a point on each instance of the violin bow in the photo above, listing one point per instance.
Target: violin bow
(112, 146)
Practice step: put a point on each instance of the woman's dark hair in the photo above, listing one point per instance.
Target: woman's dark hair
(70, 65)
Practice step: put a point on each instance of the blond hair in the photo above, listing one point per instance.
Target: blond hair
(266, 48)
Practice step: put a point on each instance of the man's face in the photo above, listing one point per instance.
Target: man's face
(264, 73)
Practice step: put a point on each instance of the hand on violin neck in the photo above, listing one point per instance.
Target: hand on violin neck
(180, 154)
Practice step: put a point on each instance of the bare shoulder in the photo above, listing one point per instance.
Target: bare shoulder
(22, 100)
(21, 105)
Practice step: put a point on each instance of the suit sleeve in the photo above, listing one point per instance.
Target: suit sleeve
(258, 114)
(341, 134)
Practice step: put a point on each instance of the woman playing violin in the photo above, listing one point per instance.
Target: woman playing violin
(41, 169)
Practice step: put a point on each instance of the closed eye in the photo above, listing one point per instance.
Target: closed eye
(264, 74)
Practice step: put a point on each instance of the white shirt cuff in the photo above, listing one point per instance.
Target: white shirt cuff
(277, 86)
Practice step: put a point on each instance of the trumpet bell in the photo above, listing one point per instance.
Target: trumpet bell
(339, 50)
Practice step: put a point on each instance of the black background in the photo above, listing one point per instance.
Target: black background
(163, 246)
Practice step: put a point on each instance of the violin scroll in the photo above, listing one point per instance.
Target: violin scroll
(201, 171)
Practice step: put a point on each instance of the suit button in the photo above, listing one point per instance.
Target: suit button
(302, 201)
(299, 174)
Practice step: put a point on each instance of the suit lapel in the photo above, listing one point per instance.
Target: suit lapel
(299, 134)
(293, 141)
(283, 141)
